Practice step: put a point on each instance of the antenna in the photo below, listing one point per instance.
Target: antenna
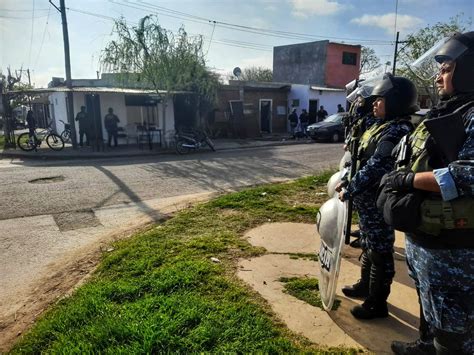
(237, 72)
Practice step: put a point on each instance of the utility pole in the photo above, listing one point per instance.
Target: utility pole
(67, 59)
(395, 54)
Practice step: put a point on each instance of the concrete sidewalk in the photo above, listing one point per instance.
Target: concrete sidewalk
(133, 150)
(337, 327)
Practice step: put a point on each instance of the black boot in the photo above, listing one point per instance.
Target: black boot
(424, 345)
(361, 288)
(417, 347)
(381, 275)
(370, 309)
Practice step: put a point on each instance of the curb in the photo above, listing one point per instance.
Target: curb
(49, 156)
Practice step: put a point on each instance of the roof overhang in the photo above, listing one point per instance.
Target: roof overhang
(97, 90)
(322, 88)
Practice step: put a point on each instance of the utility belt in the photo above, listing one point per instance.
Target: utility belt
(427, 219)
(437, 215)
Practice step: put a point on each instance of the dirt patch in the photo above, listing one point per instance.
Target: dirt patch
(47, 180)
(65, 276)
(75, 220)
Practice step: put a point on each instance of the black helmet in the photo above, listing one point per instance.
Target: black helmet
(460, 48)
(399, 94)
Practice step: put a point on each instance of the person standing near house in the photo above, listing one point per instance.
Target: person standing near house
(111, 125)
(340, 108)
(84, 126)
(293, 118)
(304, 120)
(31, 122)
(322, 113)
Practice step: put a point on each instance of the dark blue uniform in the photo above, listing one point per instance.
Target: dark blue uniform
(444, 274)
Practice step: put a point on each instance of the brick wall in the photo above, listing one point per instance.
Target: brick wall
(339, 74)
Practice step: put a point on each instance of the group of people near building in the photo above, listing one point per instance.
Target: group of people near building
(299, 124)
(86, 126)
(419, 180)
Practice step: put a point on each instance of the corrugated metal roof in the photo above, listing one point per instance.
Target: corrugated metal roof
(322, 88)
(97, 90)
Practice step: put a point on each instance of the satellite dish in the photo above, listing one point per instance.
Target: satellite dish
(237, 72)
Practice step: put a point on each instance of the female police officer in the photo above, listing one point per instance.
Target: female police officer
(396, 100)
(440, 169)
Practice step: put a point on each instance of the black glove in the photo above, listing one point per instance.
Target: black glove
(400, 180)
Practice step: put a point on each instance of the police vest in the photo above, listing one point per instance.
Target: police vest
(438, 217)
(370, 139)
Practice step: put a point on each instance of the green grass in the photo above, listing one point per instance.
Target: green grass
(2, 141)
(305, 289)
(160, 292)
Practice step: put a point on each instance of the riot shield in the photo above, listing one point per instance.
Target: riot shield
(345, 160)
(330, 226)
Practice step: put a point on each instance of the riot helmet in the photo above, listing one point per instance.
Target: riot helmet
(361, 97)
(458, 48)
(399, 93)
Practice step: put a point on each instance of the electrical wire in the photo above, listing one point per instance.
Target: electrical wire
(268, 32)
(32, 32)
(42, 40)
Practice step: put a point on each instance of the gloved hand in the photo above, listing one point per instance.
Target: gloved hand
(344, 195)
(400, 180)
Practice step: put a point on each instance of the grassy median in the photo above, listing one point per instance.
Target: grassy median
(159, 291)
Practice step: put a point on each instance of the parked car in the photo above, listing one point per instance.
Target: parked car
(330, 129)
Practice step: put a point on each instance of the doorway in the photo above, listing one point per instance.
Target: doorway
(313, 109)
(93, 110)
(266, 116)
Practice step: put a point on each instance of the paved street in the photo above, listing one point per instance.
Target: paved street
(58, 217)
(34, 188)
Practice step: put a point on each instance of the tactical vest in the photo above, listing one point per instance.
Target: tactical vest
(439, 217)
(370, 139)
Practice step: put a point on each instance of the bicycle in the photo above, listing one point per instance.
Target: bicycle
(66, 134)
(53, 140)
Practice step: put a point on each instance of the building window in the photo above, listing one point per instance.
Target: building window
(349, 58)
(295, 103)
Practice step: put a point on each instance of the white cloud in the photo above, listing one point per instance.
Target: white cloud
(306, 8)
(405, 23)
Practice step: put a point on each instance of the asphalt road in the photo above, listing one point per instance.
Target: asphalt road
(34, 188)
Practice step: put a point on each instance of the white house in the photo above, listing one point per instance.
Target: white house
(134, 107)
(311, 97)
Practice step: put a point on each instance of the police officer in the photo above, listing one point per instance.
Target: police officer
(440, 253)
(395, 101)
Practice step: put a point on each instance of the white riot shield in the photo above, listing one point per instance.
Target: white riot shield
(346, 158)
(332, 183)
(330, 226)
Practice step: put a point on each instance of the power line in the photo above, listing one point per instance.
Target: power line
(26, 10)
(42, 40)
(32, 32)
(268, 32)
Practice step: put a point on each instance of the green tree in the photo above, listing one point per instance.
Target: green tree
(256, 74)
(148, 55)
(417, 44)
(368, 60)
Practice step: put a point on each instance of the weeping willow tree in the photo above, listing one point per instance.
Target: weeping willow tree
(148, 55)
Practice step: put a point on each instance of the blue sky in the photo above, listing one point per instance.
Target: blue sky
(31, 34)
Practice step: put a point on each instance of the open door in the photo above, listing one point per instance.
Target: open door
(312, 112)
(266, 116)
(93, 110)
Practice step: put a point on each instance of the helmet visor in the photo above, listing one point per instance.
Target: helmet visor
(365, 89)
(382, 87)
(427, 66)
